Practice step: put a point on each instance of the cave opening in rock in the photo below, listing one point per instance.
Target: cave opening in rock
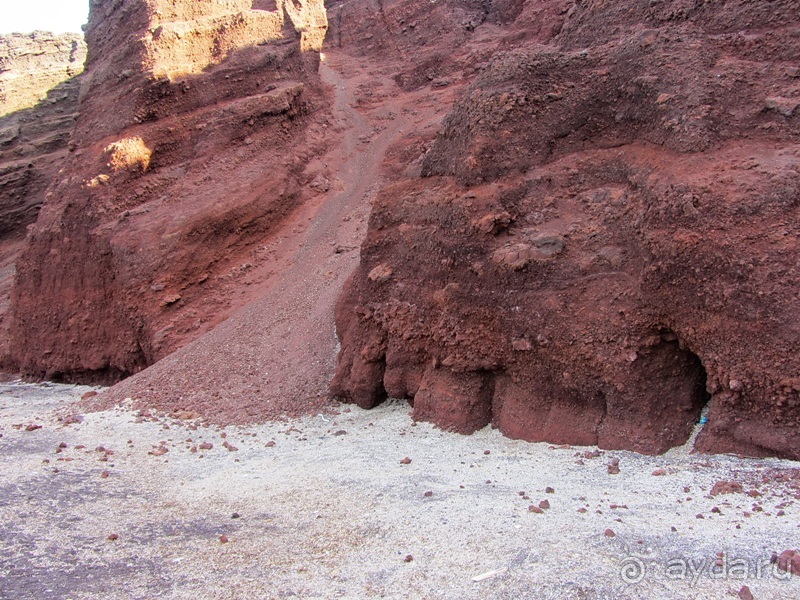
(687, 371)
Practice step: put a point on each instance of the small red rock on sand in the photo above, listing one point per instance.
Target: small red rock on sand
(104, 475)
(544, 504)
(745, 593)
(33, 427)
(789, 561)
(161, 450)
(726, 487)
(610, 533)
(659, 472)
(535, 509)
(409, 558)
(229, 447)
(613, 466)
(428, 494)
(549, 490)
(405, 461)
(206, 446)
(112, 537)
(89, 394)
(223, 539)
(270, 444)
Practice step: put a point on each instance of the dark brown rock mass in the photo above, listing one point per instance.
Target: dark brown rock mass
(603, 240)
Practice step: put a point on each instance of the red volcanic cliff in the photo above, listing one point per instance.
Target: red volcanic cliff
(583, 229)
(180, 166)
(603, 240)
(38, 104)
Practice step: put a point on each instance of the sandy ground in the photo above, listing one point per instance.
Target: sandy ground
(330, 510)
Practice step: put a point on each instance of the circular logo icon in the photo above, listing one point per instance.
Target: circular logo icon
(632, 570)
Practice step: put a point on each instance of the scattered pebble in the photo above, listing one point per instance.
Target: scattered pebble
(725, 487)
(405, 461)
(745, 593)
(112, 537)
(610, 533)
(789, 561)
(223, 539)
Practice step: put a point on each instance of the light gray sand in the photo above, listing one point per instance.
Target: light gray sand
(325, 515)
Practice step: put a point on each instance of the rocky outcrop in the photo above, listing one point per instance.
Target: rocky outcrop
(603, 240)
(33, 64)
(197, 123)
(433, 43)
(38, 103)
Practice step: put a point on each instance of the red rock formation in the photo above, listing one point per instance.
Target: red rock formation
(197, 122)
(38, 103)
(600, 240)
(605, 237)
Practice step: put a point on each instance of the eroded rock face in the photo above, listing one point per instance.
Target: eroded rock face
(38, 104)
(196, 123)
(604, 239)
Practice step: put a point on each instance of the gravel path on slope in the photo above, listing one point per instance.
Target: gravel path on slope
(325, 507)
